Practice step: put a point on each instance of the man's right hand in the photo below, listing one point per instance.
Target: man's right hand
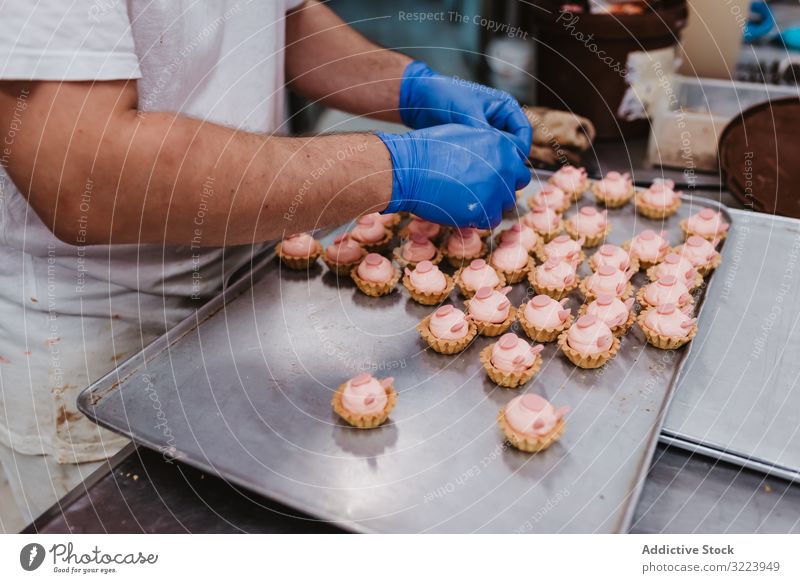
(455, 174)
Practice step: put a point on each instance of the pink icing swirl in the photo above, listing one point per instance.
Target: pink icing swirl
(698, 251)
(615, 185)
(649, 245)
(550, 196)
(661, 194)
(555, 273)
(522, 235)
(427, 277)
(667, 290)
(707, 223)
(512, 354)
(479, 274)
(570, 178)
(533, 415)
(366, 395)
(368, 230)
(610, 310)
(543, 219)
(425, 228)
(449, 323)
(299, 245)
(679, 267)
(612, 255)
(344, 250)
(464, 243)
(564, 248)
(509, 257)
(589, 222)
(375, 268)
(490, 305)
(418, 248)
(590, 335)
(668, 320)
(608, 280)
(545, 313)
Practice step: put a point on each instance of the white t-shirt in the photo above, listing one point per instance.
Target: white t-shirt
(68, 314)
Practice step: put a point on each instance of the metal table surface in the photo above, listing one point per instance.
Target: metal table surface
(141, 493)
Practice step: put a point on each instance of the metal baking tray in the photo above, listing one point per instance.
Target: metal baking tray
(243, 389)
(738, 398)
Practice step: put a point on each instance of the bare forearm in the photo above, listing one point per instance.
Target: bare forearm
(165, 178)
(350, 73)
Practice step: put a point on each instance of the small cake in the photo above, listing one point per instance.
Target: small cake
(530, 423)
(427, 284)
(364, 401)
(668, 289)
(659, 201)
(667, 327)
(614, 191)
(706, 224)
(448, 330)
(343, 255)
(648, 248)
(299, 251)
(571, 180)
(491, 311)
(552, 197)
(511, 362)
(371, 234)
(520, 234)
(589, 342)
(678, 266)
(563, 247)
(614, 256)
(555, 278)
(543, 318)
(702, 254)
(388, 220)
(375, 275)
(422, 227)
(512, 261)
(545, 221)
(607, 280)
(589, 225)
(476, 275)
(462, 246)
(417, 248)
(617, 314)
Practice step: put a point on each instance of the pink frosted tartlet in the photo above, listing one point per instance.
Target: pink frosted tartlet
(543, 318)
(364, 401)
(427, 284)
(462, 246)
(707, 224)
(417, 248)
(614, 256)
(371, 233)
(476, 275)
(545, 221)
(530, 423)
(648, 248)
(614, 190)
(563, 247)
(668, 289)
(343, 255)
(571, 180)
(667, 327)
(589, 225)
(702, 254)
(678, 266)
(422, 227)
(512, 261)
(491, 310)
(555, 278)
(511, 361)
(617, 314)
(375, 275)
(388, 220)
(448, 330)
(607, 280)
(552, 197)
(299, 251)
(589, 342)
(659, 201)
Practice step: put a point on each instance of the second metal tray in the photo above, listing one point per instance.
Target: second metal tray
(243, 390)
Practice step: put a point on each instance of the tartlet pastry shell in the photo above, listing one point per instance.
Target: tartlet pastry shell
(492, 328)
(372, 288)
(592, 241)
(299, 263)
(508, 380)
(362, 421)
(429, 298)
(397, 254)
(587, 360)
(591, 296)
(720, 236)
(459, 262)
(467, 292)
(661, 341)
(541, 334)
(656, 212)
(529, 443)
(619, 330)
(645, 304)
(441, 345)
(515, 276)
(612, 203)
(557, 293)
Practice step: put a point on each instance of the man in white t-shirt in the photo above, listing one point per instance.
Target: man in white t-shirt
(143, 160)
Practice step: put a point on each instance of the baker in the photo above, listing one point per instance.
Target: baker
(145, 159)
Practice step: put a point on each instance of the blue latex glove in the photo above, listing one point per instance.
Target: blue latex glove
(429, 99)
(455, 174)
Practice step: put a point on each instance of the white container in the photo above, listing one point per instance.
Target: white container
(687, 122)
